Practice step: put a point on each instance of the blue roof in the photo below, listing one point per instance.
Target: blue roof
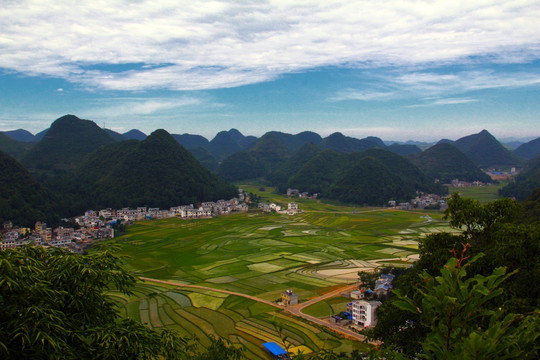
(274, 348)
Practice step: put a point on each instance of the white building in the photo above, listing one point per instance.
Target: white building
(364, 312)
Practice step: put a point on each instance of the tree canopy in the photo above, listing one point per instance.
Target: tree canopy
(55, 305)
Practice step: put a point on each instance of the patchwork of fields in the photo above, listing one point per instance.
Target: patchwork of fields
(205, 314)
(262, 255)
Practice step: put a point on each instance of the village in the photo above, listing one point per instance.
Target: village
(98, 225)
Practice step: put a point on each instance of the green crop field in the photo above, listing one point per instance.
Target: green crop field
(242, 321)
(262, 254)
(483, 194)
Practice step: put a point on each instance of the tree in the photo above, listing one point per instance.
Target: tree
(492, 229)
(54, 305)
(462, 321)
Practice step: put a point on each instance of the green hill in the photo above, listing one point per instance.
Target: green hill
(295, 142)
(240, 166)
(281, 176)
(67, 142)
(316, 175)
(344, 144)
(226, 143)
(156, 172)
(446, 162)
(13, 147)
(134, 134)
(528, 150)
(369, 177)
(22, 199)
(404, 149)
(20, 135)
(116, 136)
(270, 151)
(205, 158)
(190, 141)
(485, 151)
(525, 182)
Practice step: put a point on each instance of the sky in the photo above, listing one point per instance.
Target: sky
(399, 70)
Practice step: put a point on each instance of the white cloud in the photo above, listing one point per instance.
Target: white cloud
(221, 44)
(140, 106)
(448, 101)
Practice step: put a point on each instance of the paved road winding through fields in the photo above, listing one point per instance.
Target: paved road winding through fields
(295, 310)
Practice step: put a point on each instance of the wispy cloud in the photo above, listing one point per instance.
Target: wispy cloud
(448, 101)
(231, 43)
(141, 106)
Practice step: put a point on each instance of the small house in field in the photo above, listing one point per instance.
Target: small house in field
(289, 298)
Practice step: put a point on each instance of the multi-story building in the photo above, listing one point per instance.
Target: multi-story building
(364, 312)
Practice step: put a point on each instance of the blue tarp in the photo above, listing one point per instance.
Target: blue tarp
(274, 348)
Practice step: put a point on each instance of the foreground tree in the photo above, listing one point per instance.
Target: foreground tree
(54, 305)
(459, 312)
(494, 229)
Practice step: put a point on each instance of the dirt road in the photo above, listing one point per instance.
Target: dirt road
(295, 310)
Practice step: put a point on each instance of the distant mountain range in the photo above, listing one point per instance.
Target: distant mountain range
(92, 167)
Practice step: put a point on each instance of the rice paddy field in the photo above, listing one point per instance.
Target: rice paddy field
(244, 322)
(261, 254)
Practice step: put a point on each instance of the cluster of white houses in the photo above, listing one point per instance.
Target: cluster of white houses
(95, 225)
(292, 208)
(421, 202)
(42, 235)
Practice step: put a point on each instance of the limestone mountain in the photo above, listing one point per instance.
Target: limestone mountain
(22, 199)
(525, 182)
(270, 151)
(13, 147)
(65, 144)
(344, 144)
(241, 166)
(370, 177)
(116, 136)
(155, 172)
(404, 149)
(134, 134)
(20, 135)
(528, 150)
(280, 177)
(226, 143)
(295, 142)
(190, 141)
(485, 151)
(446, 162)
(205, 158)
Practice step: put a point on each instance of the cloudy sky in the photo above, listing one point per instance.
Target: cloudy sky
(396, 69)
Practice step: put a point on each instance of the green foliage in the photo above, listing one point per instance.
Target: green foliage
(491, 229)
(531, 206)
(446, 162)
(462, 324)
(54, 305)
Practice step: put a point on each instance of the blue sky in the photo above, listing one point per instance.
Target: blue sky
(399, 70)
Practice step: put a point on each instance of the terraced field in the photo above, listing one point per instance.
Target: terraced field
(261, 255)
(244, 322)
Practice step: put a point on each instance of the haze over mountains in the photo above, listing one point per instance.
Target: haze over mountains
(88, 166)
